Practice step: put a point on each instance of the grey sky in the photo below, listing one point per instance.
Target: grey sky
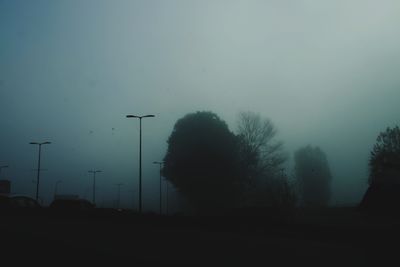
(325, 72)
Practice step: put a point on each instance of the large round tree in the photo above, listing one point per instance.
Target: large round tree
(201, 162)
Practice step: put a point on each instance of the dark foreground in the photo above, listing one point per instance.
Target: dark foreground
(334, 237)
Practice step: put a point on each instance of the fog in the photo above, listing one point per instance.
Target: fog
(325, 72)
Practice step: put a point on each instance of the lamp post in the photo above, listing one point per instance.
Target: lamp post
(38, 169)
(3, 167)
(56, 187)
(160, 163)
(94, 185)
(140, 154)
(119, 194)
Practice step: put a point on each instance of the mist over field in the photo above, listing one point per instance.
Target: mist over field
(324, 72)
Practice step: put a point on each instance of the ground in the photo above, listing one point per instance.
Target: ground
(331, 237)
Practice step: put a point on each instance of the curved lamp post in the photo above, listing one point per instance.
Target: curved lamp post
(140, 154)
(94, 185)
(38, 169)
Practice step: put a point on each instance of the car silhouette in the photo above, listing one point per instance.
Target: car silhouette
(18, 202)
(71, 205)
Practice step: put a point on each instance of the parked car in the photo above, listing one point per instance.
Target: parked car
(18, 202)
(24, 202)
(71, 205)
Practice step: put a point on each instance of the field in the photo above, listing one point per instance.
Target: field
(330, 237)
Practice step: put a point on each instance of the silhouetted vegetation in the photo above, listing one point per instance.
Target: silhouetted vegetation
(201, 162)
(215, 169)
(384, 163)
(313, 175)
(262, 160)
(383, 194)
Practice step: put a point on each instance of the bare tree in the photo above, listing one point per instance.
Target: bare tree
(259, 147)
(261, 158)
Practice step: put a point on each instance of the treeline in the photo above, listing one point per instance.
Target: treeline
(216, 169)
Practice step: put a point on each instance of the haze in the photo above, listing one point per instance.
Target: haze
(325, 72)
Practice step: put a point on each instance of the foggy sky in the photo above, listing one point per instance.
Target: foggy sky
(325, 72)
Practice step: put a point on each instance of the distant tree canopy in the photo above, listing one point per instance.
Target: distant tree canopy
(201, 161)
(384, 162)
(313, 175)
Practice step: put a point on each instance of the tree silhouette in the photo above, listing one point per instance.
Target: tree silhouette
(201, 162)
(384, 162)
(261, 159)
(383, 194)
(313, 175)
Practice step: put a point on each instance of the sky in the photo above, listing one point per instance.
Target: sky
(325, 72)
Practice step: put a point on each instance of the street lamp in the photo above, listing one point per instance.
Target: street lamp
(3, 167)
(56, 187)
(38, 169)
(94, 184)
(140, 154)
(160, 163)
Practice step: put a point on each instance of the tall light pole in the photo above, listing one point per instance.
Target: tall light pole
(119, 194)
(160, 163)
(3, 167)
(94, 185)
(38, 169)
(56, 187)
(140, 154)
